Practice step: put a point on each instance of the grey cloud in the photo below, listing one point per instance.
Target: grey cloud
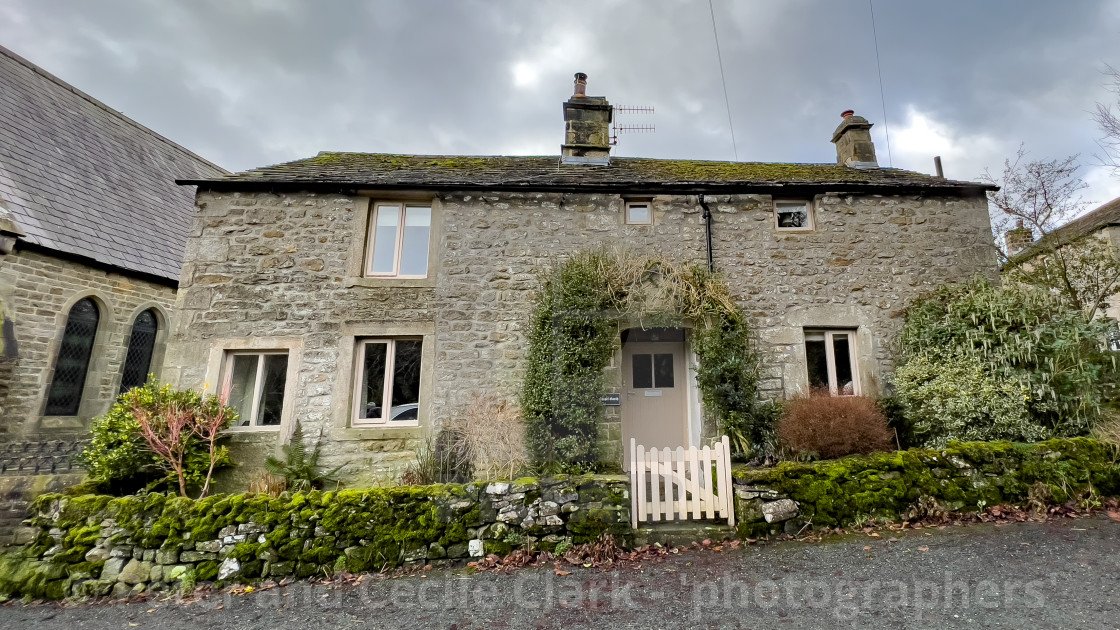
(250, 83)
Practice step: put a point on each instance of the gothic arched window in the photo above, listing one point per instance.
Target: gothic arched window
(72, 363)
(141, 343)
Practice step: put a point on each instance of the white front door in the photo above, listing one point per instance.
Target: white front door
(655, 394)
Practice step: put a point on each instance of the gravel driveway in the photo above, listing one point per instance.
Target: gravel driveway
(1059, 574)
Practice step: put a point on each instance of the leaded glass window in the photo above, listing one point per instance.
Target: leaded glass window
(72, 363)
(141, 343)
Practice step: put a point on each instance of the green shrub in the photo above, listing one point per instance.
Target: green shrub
(1039, 367)
(961, 399)
(117, 457)
(300, 467)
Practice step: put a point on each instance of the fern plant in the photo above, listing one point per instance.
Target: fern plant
(300, 466)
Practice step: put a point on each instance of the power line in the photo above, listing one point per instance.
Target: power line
(882, 94)
(723, 79)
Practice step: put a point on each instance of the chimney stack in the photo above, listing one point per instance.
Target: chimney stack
(587, 122)
(1018, 239)
(853, 142)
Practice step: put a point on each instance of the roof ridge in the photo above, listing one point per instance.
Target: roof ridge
(61, 83)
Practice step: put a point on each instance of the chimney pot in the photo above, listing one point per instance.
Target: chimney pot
(847, 113)
(581, 85)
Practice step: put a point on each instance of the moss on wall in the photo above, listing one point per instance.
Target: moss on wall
(157, 541)
(962, 477)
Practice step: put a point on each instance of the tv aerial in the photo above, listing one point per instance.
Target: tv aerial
(617, 128)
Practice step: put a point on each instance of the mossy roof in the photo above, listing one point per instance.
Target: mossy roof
(542, 173)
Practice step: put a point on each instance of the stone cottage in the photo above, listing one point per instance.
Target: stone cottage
(370, 296)
(1102, 223)
(92, 229)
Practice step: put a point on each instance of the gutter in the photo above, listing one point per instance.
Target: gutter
(637, 188)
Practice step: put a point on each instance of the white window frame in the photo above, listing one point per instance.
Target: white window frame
(398, 247)
(806, 203)
(387, 387)
(1113, 338)
(830, 359)
(227, 380)
(647, 204)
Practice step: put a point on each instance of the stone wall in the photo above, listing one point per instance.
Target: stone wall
(920, 483)
(37, 291)
(36, 474)
(266, 268)
(92, 546)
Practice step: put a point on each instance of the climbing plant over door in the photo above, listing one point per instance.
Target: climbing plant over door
(573, 334)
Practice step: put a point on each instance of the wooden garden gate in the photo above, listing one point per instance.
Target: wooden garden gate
(681, 484)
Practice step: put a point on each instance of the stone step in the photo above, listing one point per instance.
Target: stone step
(677, 533)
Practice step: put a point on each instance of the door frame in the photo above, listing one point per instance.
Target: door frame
(694, 430)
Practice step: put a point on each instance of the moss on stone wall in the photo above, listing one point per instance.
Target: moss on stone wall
(962, 477)
(97, 545)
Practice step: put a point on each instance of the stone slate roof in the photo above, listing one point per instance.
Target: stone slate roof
(379, 170)
(81, 179)
(1102, 217)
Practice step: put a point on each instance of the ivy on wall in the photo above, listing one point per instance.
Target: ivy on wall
(583, 303)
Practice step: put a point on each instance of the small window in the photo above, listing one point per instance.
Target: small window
(256, 382)
(1114, 337)
(653, 371)
(398, 240)
(141, 344)
(639, 213)
(793, 215)
(72, 363)
(387, 382)
(830, 357)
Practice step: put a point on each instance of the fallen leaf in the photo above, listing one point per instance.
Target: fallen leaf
(923, 549)
(874, 535)
(562, 572)
(1114, 515)
(868, 548)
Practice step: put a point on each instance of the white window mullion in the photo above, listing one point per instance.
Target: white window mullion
(390, 360)
(400, 239)
(257, 390)
(830, 361)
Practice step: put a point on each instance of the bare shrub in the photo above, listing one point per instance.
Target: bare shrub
(834, 426)
(492, 436)
(1107, 429)
(267, 483)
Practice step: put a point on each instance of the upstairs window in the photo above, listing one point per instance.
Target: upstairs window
(387, 382)
(831, 359)
(639, 213)
(1114, 337)
(256, 382)
(398, 240)
(72, 363)
(793, 215)
(141, 344)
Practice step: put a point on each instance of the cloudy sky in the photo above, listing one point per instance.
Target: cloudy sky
(246, 83)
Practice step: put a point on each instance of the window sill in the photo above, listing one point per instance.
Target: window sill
(260, 429)
(62, 423)
(380, 433)
(373, 282)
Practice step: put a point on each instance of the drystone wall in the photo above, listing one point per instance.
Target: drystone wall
(919, 482)
(93, 546)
